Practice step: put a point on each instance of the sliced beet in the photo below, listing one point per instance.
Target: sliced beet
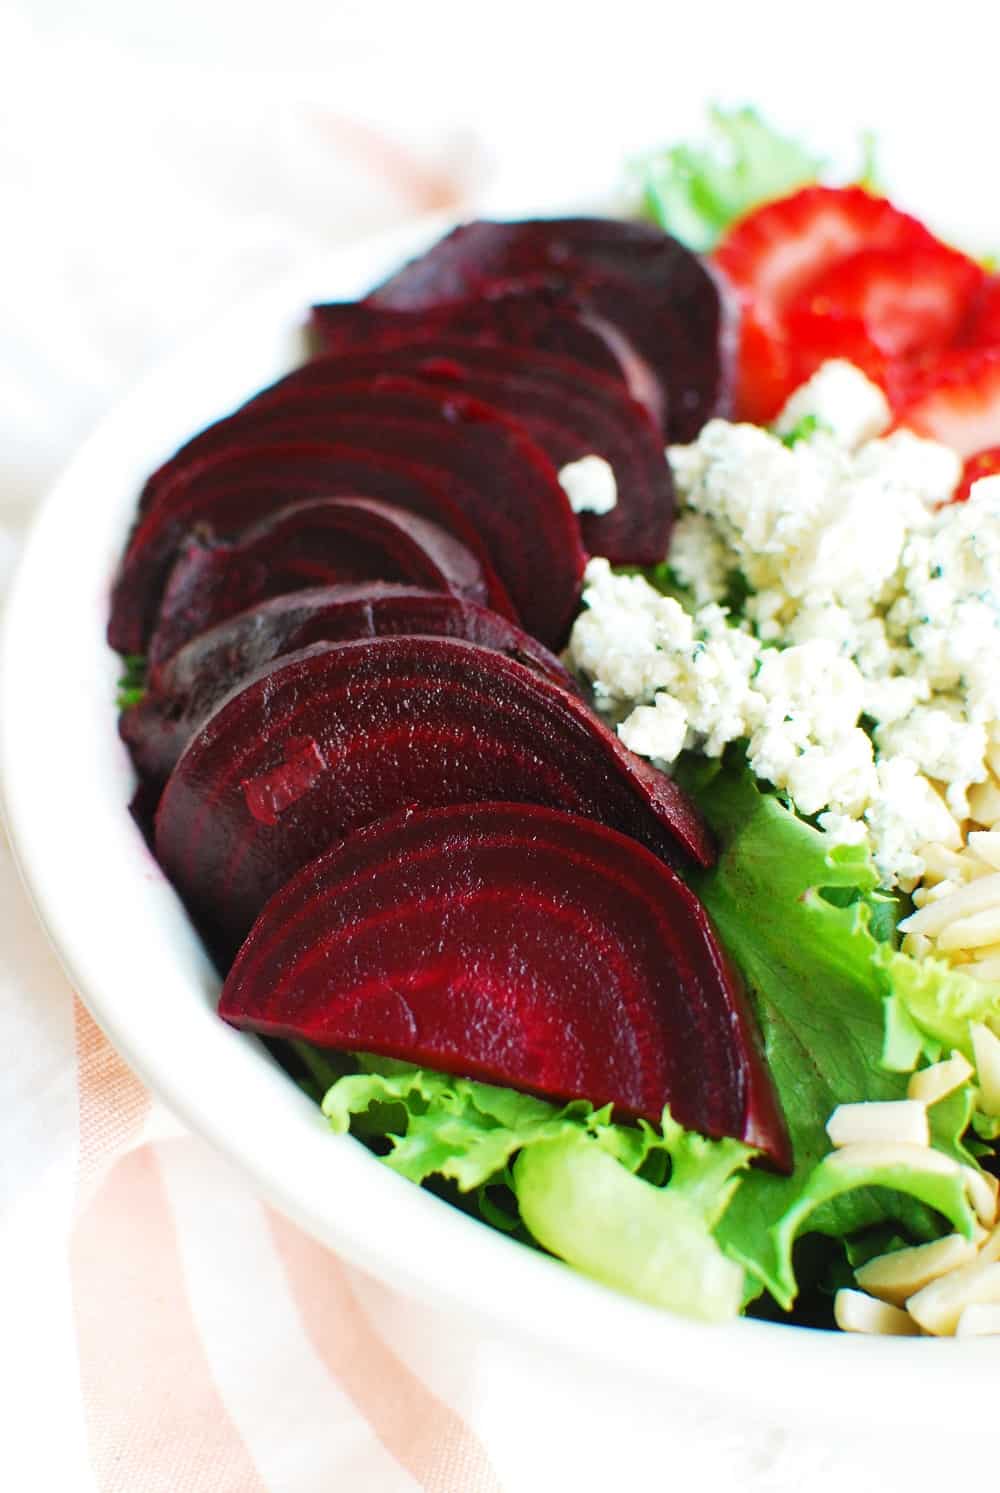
(569, 411)
(522, 947)
(185, 689)
(525, 319)
(322, 542)
(225, 493)
(659, 297)
(508, 486)
(341, 734)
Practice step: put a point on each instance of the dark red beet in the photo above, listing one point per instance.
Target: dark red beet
(340, 734)
(525, 319)
(654, 292)
(185, 689)
(232, 489)
(322, 542)
(518, 946)
(508, 487)
(570, 412)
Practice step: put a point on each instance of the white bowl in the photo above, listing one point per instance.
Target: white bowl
(127, 946)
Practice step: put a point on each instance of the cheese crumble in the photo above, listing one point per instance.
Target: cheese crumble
(860, 667)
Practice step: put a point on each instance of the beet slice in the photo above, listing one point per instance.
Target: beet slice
(661, 299)
(506, 484)
(498, 316)
(227, 492)
(522, 947)
(185, 689)
(570, 412)
(340, 734)
(322, 542)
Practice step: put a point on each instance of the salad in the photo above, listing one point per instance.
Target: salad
(568, 709)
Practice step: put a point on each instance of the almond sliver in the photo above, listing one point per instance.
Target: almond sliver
(984, 802)
(934, 1083)
(982, 1189)
(973, 932)
(937, 1307)
(869, 1155)
(977, 896)
(985, 843)
(980, 1320)
(986, 1050)
(896, 1277)
(855, 1312)
(900, 1120)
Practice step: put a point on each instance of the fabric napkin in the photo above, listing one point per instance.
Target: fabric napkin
(161, 1329)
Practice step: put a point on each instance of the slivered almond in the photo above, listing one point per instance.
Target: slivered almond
(977, 896)
(862, 1155)
(937, 1307)
(985, 843)
(980, 1320)
(855, 1312)
(917, 945)
(982, 969)
(972, 932)
(934, 1083)
(989, 1250)
(899, 1120)
(984, 802)
(924, 896)
(986, 1050)
(943, 864)
(896, 1277)
(982, 1190)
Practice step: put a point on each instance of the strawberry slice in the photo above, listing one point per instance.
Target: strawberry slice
(958, 401)
(774, 255)
(983, 464)
(906, 301)
(982, 325)
(816, 331)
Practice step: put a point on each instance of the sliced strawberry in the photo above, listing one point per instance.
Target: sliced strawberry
(983, 464)
(982, 325)
(764, 372)
(957, 401)
(815, 333)
(907, 301)
(772, 256)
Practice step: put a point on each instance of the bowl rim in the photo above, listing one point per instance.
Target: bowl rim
(126, 946)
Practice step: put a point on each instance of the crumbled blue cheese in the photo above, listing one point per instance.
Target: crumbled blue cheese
(686, 678)
(809, 741)
(590, 485)
(702, 564)
(869, 601)
(840, 399)
(943, 744)
(906, 814)
(926, 468)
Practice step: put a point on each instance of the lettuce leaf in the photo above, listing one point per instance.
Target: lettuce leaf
(655, 1243)
(587, 1189)
(695, 192)
(796, 915)
(939, 1000)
